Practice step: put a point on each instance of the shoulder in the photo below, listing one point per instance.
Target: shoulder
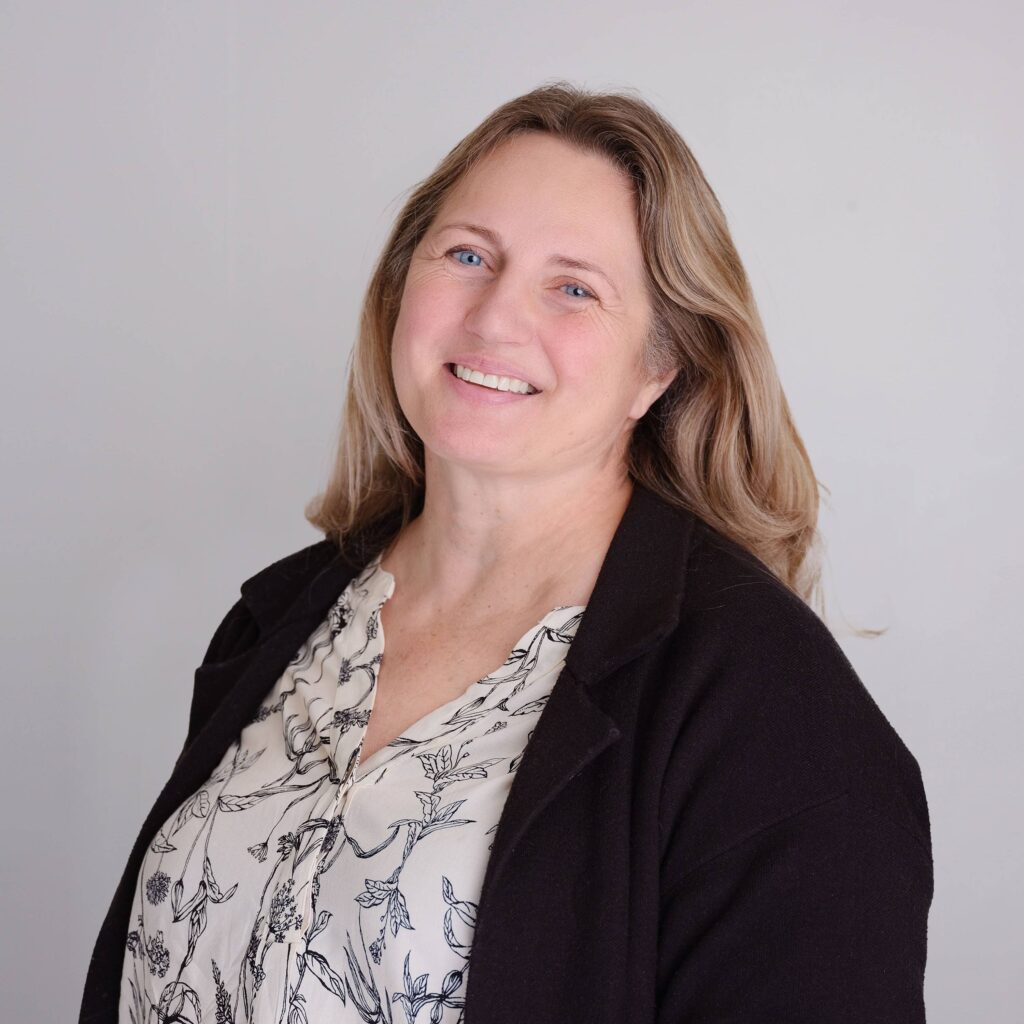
(293, 568)
(725, 581)
(264, 595)
(771, 718)
(269, 592)
(767, 649)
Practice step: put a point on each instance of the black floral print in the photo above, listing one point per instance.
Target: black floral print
(284, 915)
(225, 1015)
(302, 883)
(135, 940)
(157, 887)
(159, 957)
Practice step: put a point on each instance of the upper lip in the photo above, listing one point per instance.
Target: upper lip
(485, 366)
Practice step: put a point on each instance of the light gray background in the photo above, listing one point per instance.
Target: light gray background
(193, 196)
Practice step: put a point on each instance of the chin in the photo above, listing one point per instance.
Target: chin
(476, 449)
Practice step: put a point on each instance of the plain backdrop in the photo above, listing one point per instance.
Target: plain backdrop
(193, 195)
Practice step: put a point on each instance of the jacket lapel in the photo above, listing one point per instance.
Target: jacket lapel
(636, 600)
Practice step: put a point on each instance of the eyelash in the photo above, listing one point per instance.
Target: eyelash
(573, 284)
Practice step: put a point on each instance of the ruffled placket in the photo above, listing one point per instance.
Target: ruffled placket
(355, 685)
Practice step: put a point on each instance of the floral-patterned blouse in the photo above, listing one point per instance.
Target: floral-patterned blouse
(302, 884)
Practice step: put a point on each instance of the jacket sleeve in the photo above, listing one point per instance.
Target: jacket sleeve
(821, 916)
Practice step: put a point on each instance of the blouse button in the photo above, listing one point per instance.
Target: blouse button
(340, 797)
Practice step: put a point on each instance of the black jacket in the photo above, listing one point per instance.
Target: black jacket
(712, 822)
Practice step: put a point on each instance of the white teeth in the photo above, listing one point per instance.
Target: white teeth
(490, 380)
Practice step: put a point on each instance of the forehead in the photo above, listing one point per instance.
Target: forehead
(537, 191)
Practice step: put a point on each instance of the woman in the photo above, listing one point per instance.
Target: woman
(612, 767)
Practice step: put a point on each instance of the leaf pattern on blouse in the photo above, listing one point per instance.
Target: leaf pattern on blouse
(302, 884)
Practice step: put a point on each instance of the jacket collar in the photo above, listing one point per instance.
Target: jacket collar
(638, 595)
(636, 598)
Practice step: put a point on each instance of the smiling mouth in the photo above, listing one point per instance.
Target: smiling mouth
(500, 391)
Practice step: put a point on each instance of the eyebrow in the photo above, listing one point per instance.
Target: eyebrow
(572, 262)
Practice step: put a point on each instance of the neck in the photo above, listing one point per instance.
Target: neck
(540, 545)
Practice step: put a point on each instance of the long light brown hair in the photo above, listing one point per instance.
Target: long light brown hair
(720, 441)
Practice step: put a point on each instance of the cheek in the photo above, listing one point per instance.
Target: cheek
(587, 367)
(427, 313)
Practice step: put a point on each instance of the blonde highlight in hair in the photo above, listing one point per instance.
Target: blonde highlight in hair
(720, 441)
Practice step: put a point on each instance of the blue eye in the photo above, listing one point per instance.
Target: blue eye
(463, 251)
(586, 294)
(469, 252)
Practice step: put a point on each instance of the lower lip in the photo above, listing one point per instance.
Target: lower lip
(484, 396)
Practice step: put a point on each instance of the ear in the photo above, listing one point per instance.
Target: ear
(651, 392)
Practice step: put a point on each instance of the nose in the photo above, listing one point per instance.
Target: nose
(500, 311)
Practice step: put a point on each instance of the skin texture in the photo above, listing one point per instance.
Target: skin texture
(522, 498)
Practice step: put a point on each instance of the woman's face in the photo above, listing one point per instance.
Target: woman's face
(489, 287)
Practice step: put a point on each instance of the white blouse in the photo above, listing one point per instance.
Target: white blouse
(302, 884)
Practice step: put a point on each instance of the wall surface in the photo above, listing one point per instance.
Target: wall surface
(194, 195)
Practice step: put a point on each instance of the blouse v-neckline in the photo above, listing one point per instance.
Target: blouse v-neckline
(378, 585)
